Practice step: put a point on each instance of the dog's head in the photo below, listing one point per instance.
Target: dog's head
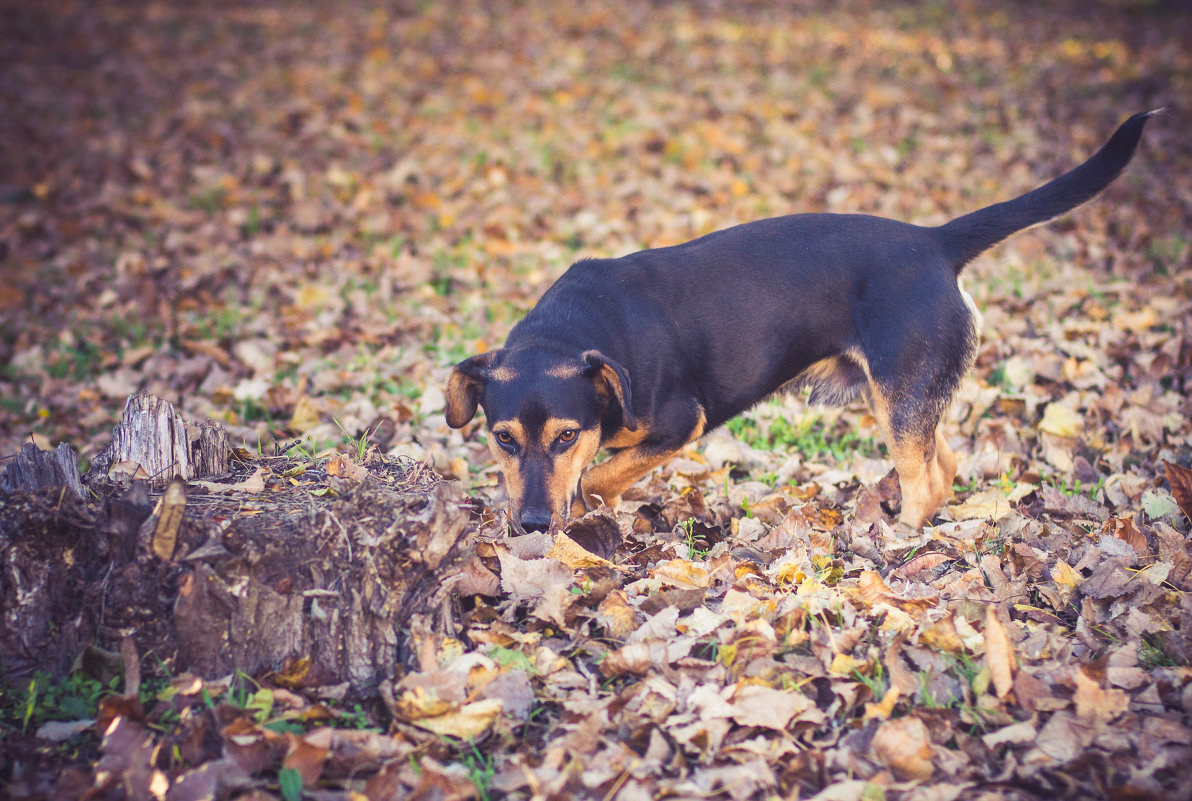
(545, 410)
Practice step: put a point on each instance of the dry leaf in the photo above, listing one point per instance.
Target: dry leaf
(999, 653)
(170, 511)
(570, 553)
(903, 744)
(340, 465)
(1095, 704)
(1061, 421)
(467, 723)
(1180, 479)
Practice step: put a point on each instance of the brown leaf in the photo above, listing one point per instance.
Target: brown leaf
(1095, 704)
(904, 745)
(1180, 479)
(758, 705)
(1124, 529)
(340, 465)
(307, 753)
(618, 618)
(596, 532)
(170, 512)
(999, 653)
(871, 590)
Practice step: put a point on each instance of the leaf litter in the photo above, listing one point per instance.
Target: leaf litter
(299, 226)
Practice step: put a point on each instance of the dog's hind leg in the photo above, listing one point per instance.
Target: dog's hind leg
(926, 465)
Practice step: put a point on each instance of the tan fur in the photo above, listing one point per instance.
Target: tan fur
(624, 438)
(564, 480)
(925, 465)
(463, 395)
(564, 371)
(610, 479)
(503, 373)
(509, 463)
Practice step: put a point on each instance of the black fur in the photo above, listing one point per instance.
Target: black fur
(708, 328)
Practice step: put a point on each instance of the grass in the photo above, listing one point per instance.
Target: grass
(694, 549)
(809, 434)
(480, 770)
(1153, 653)
(25, 707)
(1076, 488)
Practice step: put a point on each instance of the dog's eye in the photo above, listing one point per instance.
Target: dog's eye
(504, 438)
(567, 435)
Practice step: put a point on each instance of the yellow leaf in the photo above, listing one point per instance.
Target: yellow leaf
(1065, 576)
(681, 573)
(311, 296)
(305, 416)
(572, 554)
(1061, 421)
(467, 723)
(844, 665)
(943, 636)
(1136, 321)
(883, 710)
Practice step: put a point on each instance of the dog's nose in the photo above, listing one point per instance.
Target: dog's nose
(535, 519)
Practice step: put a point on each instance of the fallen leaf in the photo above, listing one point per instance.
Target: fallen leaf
(572, 554)
(1180, 479)
(999, 653)
(340, 465)
(1061, 420)
(904, 745)
(1095, 704)
(467, 723)
(170, 510)
(758, 705)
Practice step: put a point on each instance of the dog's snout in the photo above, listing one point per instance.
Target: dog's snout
(535, 519)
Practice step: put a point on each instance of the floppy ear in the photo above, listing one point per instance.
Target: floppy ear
(611, 381)
(464, 386)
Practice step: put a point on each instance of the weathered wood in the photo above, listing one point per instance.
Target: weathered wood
(327, 589)
(336, 589)
(34, 469)
(153, 443)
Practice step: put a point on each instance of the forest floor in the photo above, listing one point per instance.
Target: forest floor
(294, 218)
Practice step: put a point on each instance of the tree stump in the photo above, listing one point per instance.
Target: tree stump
(153, 443)
(34, 469)
(310, 575)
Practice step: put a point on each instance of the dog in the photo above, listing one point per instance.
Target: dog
(642, 354)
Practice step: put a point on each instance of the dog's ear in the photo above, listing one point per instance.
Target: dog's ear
(611, 382)
(464, 386)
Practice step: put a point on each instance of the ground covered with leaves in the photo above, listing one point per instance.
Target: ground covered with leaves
(294, 218)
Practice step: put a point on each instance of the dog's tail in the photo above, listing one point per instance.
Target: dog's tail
(969, 236)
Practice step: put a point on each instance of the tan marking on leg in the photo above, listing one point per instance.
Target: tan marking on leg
(925, 465)
(828, 378)
(624, 438)
(610, 479)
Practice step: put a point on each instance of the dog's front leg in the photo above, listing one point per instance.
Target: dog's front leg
(607, 481)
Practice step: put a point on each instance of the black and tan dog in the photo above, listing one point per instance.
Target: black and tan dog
(642, 354)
